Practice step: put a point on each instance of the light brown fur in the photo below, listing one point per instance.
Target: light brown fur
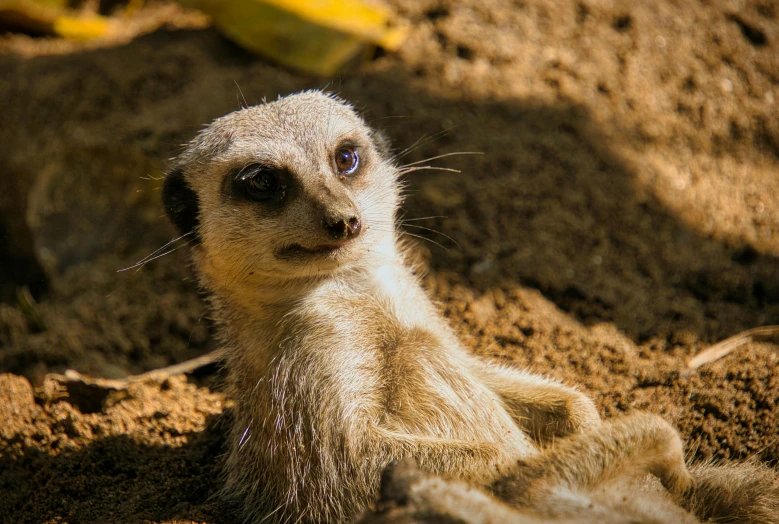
(410, 496)
(338, 360)
(594, 477)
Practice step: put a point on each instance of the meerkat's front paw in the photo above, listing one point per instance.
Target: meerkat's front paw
(671, 469)
(677, 480)
(584, 414)
(575, 414)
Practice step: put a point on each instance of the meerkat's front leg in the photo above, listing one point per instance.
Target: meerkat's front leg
(544, 408)
(475, 462)
(628, 446)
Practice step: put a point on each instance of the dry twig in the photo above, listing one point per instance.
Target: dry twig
(729, 345)
(160, 374)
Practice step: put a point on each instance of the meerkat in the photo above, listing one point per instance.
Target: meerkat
(338, 360)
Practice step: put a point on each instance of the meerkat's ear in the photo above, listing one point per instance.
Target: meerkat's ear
(382, 143)
(180, 202)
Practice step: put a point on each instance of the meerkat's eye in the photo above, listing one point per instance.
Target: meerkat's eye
(260, 183)
(346, 160)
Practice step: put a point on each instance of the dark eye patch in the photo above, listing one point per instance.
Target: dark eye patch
(260, 183)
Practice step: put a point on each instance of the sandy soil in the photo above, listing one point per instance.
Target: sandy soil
(624, 215)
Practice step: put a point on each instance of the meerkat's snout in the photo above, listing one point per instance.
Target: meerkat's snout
(340, 215)
(343, 227)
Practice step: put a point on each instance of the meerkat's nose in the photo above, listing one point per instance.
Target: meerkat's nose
(343, 228)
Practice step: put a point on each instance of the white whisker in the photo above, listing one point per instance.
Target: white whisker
(435, 231)
(147, 257)
(443, 156)
(429, 168)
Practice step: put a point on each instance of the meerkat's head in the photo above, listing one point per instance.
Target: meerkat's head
(288, 189)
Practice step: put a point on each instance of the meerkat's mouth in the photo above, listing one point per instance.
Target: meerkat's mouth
(297, 250)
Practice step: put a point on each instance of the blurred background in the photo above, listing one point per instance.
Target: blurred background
(624, 214)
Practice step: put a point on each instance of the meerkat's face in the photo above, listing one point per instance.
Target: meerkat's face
(297, 187)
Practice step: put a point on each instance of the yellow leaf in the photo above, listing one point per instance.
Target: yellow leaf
(52, 17)
(81, 29)
(317, 36)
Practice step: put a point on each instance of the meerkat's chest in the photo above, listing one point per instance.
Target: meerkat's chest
(401, 364)
(419, 381)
